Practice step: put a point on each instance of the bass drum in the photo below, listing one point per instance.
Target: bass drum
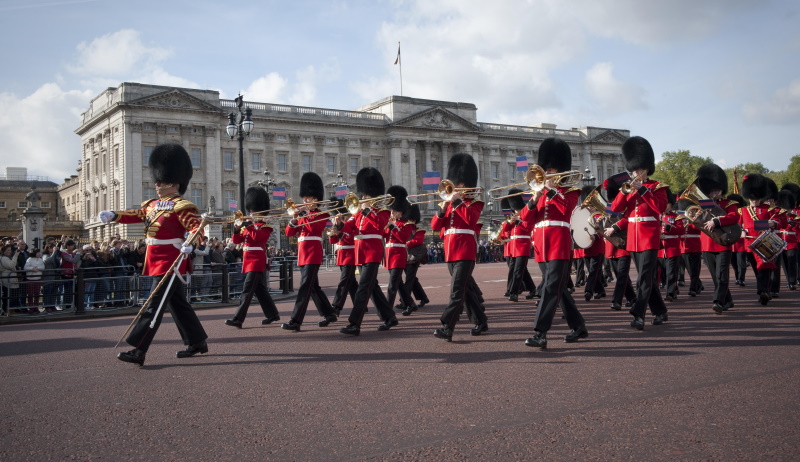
(583, 233)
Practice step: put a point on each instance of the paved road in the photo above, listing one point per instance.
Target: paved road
(701, 387)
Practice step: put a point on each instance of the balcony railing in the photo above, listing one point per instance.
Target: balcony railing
(305, 111)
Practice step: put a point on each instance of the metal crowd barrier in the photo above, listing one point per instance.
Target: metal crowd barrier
(119, 287)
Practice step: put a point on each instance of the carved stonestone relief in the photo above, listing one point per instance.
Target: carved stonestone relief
(436, 120)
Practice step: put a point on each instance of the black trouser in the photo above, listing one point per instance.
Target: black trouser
(396, 285)
(555, 293)
(255, 284)
(462, 292)
(594, 275)
(775, 278)
(719, 264)
(580, 273)
(622, 267)
(412, 283)
(691, 261)
(368, 288)
(310, 289)
(671, 265)
(347, 285)
(608, 273)
(647, 291)
(519, 267)
(681, 268)
(474, 302)
(527, 281)
(789, 260)
(186, 320)
(510, 282)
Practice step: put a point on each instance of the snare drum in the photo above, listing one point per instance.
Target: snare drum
(583, 233)
(768, 246)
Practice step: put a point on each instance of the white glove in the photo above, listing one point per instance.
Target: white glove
(106, 216)
(187, 248)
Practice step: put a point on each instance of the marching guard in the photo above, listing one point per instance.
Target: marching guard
(342, 237)
(254, 237)
(167, 220)
(397, 233)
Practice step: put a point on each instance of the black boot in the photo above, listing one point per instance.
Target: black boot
(134, 356)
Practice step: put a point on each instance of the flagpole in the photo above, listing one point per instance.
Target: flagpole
(400, 62)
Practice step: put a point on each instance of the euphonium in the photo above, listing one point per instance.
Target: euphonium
(698, 216)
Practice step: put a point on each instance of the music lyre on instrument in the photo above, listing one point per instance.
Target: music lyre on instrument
(447, 189)
(536, 177)
(698, 215)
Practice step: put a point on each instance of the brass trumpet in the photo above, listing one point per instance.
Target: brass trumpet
(446, 190)
(534, 172)
(536, 178)
(627, 187)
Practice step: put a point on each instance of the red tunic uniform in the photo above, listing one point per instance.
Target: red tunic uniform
(505, 237)
(369, 237)
(613, 251)
(552, 239)
(520, 241)
(417, 238)
(789, 229)
(458, 225)
(167, 222)
(672, 231)
(731, 217)
(643, 211)
(396, 252)
(344, 243)
(254, 238)
(749, 216)
(309, 242)
(690, 240)
(598, 247)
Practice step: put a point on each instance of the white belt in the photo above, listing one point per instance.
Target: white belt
(254, 248)
(459, 231)
(343, 247)
(394, 244)
(788, 233)
(369, 236)
(691, 235)
(545, 223)
(309, 238)
(669, 237)
(520, 237)
(174, 242)
(641, 219)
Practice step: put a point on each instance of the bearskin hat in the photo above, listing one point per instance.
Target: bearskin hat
(256, 199)
(638, 153)
(555, 153)
(311, 186)
(755, 187)
(795, 189)
(711, 177)
(170, 163)
(515, 202)
(462, 169)
(400, 195)
(738, 199)
(412, 213)
(612, 189)
(369, 182)
(773, 189)
(338, 205)
(786, 199)
(504, 205)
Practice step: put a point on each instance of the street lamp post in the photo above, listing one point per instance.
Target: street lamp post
(588, 177)
(239, 126)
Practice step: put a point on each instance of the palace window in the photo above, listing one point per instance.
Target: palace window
(354, 165)
(281, 137)
(281, 162)
(2, 204)
(512, 171)
(305, 139)
(197, 156)
(196, 196)
(331, 163)
(306, 163)
(172, 129)
(22, 204)
(495, 170)
(227, 160)
(376, 163)
(45, 204)
(255, 161)
(146, 151)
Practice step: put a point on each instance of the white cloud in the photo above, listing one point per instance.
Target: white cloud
(782, 108)
(611, 95)
(302, 91)
(37, 131)
(270, 88)
(117, 54)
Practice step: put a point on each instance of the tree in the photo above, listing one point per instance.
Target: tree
(678, 169)
(792, 174)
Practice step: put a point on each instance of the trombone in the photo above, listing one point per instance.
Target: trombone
(446, 190)
(352, 204)
(536, 177)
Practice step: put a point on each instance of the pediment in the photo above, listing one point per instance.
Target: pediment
(229, 184)
(437, 118)
(610, 136)
(175, 99)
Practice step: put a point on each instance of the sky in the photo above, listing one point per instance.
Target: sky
(720, 78)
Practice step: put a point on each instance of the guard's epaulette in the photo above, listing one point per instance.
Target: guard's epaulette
(572, 189)
(183, 204)
(660, 185)
(147, 202)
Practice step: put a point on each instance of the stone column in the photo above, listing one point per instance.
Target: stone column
(428, 160)
(413, 179)
(395, 155)
(134, 164)
(212, 174)
(445, 158)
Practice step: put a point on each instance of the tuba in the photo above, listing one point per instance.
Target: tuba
(598, 204)
(697, 215)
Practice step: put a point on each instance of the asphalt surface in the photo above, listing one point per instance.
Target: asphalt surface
(701, 387)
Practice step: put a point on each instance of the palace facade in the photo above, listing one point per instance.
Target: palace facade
(400, 136)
